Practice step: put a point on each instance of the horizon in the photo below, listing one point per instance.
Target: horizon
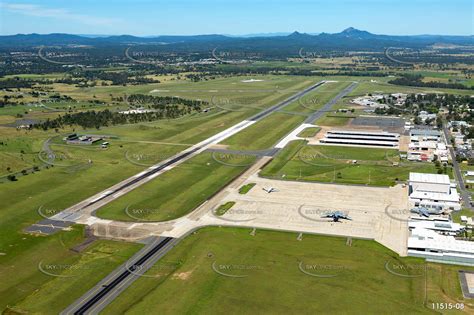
(235, 18)
(256, 34)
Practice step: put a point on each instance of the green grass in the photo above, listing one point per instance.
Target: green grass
(381, 85)
(309, 132)
(334, 120)
(317, 98)
(246, 188)
(456, 215)
(264, 133)
(274, 284)
(222, 209)
(334, 164)
(54, 189)
(78, 273)
(178, 191)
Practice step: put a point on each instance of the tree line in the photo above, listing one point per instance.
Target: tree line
(417, 80)
(163, 108)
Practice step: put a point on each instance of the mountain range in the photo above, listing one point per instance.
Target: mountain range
(348, 38)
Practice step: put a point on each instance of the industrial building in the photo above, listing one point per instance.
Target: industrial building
(444, 227)
(424, 116)
(81, 140)
(427, 151)
(362, 138)
(435, 247)
(417, 135)
(433, 191)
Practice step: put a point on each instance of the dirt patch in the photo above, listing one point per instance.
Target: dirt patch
(219, 146)
(183, 275)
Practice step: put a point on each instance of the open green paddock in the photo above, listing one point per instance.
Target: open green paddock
(345, 165)
(231, 87)
(229, 271)
(380, 85)
(178, 191)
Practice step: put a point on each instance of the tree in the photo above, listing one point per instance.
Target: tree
(11, 178)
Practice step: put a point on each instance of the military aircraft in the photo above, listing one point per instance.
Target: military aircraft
(426, 212)
(336, 216)
(270, 189)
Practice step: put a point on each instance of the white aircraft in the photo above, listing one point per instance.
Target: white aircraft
(270, 189)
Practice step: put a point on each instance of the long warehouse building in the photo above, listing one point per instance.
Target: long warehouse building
(362, 138)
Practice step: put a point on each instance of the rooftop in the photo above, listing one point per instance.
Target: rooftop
(425, 132)
(424, 238)
(430, 178)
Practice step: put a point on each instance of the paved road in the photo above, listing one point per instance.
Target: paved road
(267, 152)
(328, 106)
(96, 299)
(465, 194)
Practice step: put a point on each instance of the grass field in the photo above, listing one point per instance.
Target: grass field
(32, 291)
(318, 98)
(53, 189)
(334, 119)
(265, 133)
(72, 274)
(335, 164)
(204, 269)
(309, 132)
(178, 191)
(381, 85)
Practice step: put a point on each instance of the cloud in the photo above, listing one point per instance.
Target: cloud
(56, 13)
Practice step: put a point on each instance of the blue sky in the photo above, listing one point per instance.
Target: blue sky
(157, 17)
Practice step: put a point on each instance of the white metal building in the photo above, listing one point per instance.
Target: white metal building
(433, 190)
(434, 247)
(362, 138)
(424, 135)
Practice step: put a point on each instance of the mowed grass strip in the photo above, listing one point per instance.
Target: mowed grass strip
(264, 133)
(246, 188)
(222, 209)
(177, 192)
(270, 280)
(339, 164)
(334, 120)
(309, 132)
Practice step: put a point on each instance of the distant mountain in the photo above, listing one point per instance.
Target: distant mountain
(355, 33)
(276, 34)
(350, 38)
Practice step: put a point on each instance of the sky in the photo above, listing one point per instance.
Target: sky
(187, 17)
